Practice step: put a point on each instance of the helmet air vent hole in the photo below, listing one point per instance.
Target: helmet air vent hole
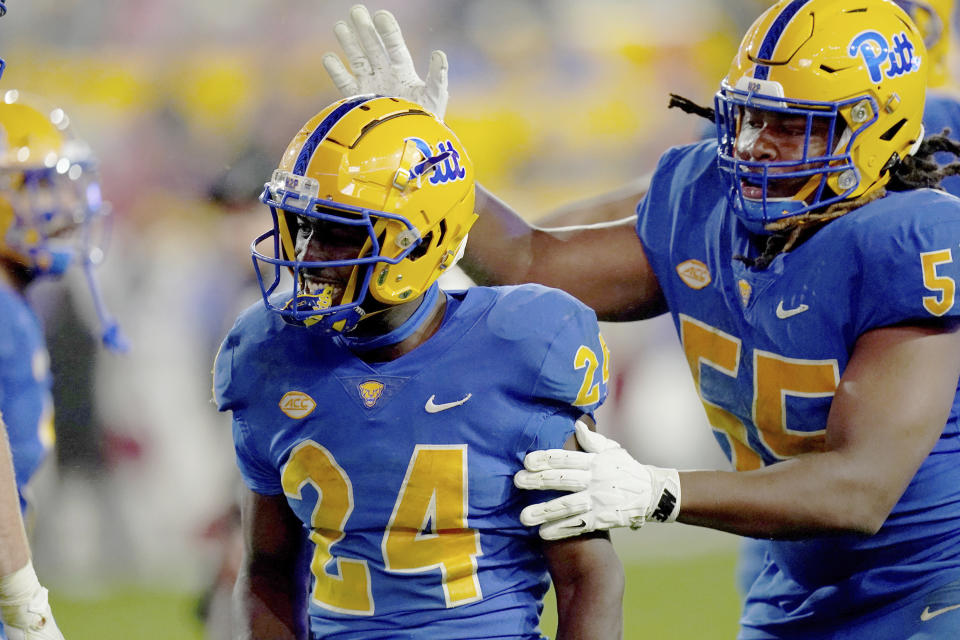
(442, 231)
(892, 131)
(421, 249)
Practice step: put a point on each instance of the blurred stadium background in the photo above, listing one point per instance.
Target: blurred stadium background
(188, 105)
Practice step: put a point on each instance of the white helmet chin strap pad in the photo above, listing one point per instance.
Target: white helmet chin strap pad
(916, 145)
(460, 250)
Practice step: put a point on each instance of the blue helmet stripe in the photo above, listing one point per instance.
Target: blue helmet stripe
(770, 41)
(306, 152)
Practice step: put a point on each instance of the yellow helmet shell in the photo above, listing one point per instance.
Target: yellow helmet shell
(35, 139)
(402, 166)
(867, 58)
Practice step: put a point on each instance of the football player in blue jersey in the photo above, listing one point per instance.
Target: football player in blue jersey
(812, 279)
(24, 607)
(49, 204)
(383, 418)
(941, 113)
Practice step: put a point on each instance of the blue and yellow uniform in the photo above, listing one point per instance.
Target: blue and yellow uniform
(25, 387)
(402, 471)
(941, 111)
(767, 349)
(26, 402)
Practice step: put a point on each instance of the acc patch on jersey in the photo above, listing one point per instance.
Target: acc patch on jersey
(297, 404)
(694, 274)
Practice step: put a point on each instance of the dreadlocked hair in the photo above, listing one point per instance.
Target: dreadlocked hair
(689, 106)
(789, 232)
(921, 170)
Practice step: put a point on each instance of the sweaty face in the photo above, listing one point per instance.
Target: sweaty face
(326, 241)
(773, 137)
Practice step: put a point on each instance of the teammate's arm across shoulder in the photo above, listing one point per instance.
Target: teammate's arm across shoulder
(603, 265)
(268, 602)
(888, 412)
(588, 581)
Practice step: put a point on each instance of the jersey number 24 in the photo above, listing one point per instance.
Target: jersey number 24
(434, 490)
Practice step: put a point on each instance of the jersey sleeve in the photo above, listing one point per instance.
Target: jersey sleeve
(234, 369)
(575, 369)
(233, 391)
(223, 389)
(913, 260)
(683, 186)
(254, 463)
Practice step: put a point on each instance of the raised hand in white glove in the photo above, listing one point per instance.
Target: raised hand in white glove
(612, 489)
(380, 62)
(24, 608)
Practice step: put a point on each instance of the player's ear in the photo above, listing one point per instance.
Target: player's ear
(571, 444)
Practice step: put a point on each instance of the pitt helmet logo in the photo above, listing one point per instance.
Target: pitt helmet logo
(297, 404)
(881, 58)
(694, 274)
(370, 392)
(445, 163)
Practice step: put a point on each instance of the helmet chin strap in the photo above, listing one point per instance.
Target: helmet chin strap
(404, 331)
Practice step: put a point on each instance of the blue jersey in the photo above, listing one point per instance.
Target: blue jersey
(402, 471)
(25, 383)
(942, 111)
(767, 349)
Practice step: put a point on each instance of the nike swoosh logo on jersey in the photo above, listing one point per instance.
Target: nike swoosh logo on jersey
(926, 614)
(783, 314)
(432, 407)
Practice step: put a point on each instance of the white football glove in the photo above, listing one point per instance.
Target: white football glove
(612, 489)
(24, 608)
(381, 62)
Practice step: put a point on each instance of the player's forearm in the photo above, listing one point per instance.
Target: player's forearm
(588, 581)
(264, 609)
(603, 265)
(500, 247)
(591, 610)
(811, 495)
(14, 551)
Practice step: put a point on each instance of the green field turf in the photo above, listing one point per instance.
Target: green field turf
(680, 598)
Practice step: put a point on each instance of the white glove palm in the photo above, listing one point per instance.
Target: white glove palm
(24, 607)
(612, 489)
(380, 62)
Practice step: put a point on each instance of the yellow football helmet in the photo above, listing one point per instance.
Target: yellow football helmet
(51, 211)
(934, 19)
(859, 67)
(383, 164)
(49, 186)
